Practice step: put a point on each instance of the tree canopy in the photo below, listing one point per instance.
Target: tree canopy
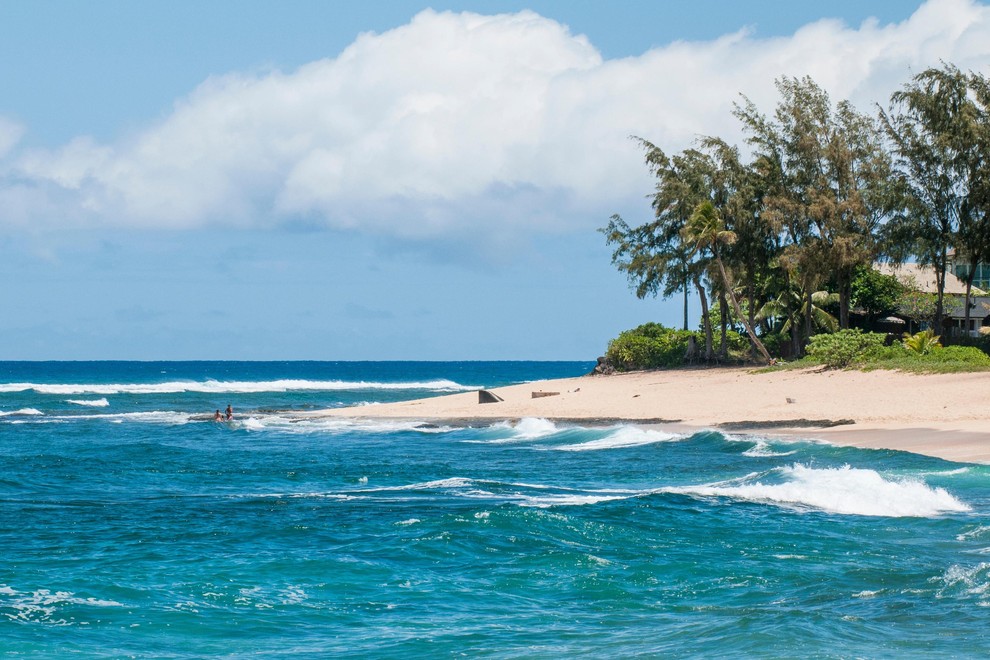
(789, 234)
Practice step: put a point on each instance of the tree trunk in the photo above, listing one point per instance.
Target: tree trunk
(751, 295)
(845, 293)
(686, 306)
(735, 304)
(940, 290)
(723, 308)
(796, 335)
(706, 322)
(969, 291)
(808, 307)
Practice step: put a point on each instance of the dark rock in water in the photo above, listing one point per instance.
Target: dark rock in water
(484, 396)
(603, 368)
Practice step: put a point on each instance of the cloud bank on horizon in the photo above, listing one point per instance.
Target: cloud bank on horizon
(454, 125)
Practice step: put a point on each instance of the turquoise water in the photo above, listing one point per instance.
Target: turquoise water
(128, 526)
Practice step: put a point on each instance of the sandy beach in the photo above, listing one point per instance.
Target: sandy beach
(943, 415)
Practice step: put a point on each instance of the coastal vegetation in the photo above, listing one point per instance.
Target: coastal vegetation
(778, 242)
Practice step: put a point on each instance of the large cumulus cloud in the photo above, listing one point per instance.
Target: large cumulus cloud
(454, 125)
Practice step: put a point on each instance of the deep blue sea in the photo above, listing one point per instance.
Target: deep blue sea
(133, 525)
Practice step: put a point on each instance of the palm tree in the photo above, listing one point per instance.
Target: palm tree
(705, 231)
(791, 305)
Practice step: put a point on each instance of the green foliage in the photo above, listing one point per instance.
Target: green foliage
(826, 191)
(950, 359)
(922, 343)
(969, 355)
(736, 342)
(875, 292)
(844, 348)
(650, 346)
(917, 305)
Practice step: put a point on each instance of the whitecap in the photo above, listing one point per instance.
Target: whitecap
(624, 436)
(568, 499)
(530, 428)
(148, 417)
(222, 387)
(288, 423)
(843, 490)
(762, 449)
(95, 403)
(978, 531)
(969, 580)
(453, 482)
(22, 411)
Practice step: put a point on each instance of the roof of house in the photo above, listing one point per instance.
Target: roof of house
(923, 278)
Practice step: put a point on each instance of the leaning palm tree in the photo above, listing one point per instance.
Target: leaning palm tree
(791, 305)
(705, 231)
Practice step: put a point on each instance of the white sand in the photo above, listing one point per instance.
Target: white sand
(945, 415)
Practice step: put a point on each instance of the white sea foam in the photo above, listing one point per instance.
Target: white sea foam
(149, 417)
(624, 436)
(95, 403)
(568, 499)
(965, 580)
(287, 423)
(530, 428)
(221, 387)
(843, 490)
(979, 531)
(44, 604)
(762, 449)
(23, 412)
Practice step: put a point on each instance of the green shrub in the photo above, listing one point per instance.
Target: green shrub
(736, 342)
(650, 346)
(841, 349)
(964, 355)
(922, 343)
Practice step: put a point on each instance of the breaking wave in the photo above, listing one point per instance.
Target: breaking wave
(624, 436)
(843, 490)
(22, 412)
(235, 387)
(95, 403)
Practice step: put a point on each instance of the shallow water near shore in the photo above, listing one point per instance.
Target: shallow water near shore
(130, 524)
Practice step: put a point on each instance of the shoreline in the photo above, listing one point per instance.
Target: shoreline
(941, 415)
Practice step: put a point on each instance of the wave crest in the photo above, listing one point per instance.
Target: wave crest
(95, 403)
(842, 490)
(234, 387)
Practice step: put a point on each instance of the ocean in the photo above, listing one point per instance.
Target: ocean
(131, 524)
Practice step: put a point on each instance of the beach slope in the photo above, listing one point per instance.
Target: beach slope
(943, 415)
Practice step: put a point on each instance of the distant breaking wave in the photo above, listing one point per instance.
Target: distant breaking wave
(22, 411)
(220, 387)
(95, 403)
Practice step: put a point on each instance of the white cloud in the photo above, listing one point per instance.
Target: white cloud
(458, 125)
(10, 134)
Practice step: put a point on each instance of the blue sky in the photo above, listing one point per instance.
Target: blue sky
(317, 180)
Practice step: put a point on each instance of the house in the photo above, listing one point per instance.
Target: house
(922, 278)
(961, 268)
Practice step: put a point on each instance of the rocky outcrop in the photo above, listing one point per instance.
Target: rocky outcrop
(603, 368)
